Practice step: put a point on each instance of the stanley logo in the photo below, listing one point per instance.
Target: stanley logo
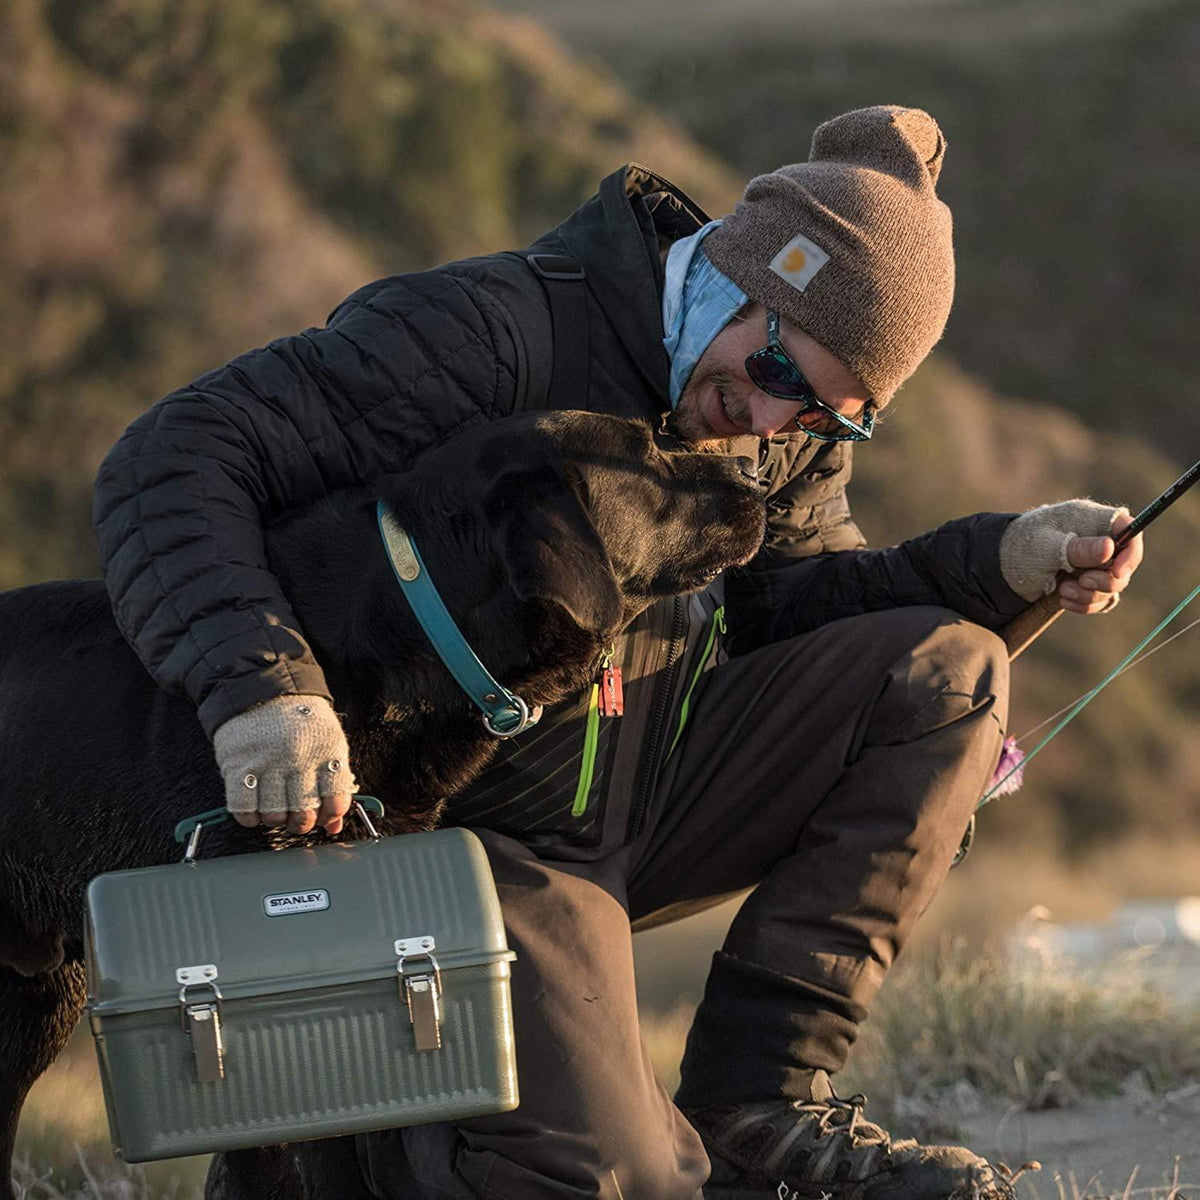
(285, 903)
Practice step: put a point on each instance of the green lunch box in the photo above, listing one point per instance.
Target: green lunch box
(302, 993)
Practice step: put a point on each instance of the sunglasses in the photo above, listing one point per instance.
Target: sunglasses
(773, 371)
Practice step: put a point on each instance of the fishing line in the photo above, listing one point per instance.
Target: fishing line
(1087, 698)
(1136, 662)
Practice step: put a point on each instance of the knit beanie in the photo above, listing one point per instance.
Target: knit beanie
(853, 246)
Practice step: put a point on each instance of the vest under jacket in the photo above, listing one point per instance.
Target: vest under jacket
(403, 364)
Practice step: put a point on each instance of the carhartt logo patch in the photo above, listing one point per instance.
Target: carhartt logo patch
(799, 261)
(286, 903)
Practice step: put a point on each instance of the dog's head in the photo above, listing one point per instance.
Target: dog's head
(586, 512)
(544, 535)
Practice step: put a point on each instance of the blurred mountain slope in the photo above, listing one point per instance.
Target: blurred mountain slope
(185, 180)
(1071, 172)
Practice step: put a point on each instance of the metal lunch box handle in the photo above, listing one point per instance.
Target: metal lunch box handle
(189, 829)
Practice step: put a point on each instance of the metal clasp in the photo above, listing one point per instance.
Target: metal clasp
(202, 1022)
(359, 809)
(526, 717)
(421, 990)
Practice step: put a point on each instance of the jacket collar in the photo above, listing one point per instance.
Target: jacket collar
(615, 235)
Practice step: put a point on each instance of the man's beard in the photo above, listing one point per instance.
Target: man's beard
(689, 428)
(688, 425)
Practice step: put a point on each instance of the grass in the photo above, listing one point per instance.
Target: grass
(96, 1179)
(961, 1031)
(957, 1020)
(1069, 1189)
(1026, 1028)
(956, 1028)
(63, 1147)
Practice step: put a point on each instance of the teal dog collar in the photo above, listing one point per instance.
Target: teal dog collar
(504, 714)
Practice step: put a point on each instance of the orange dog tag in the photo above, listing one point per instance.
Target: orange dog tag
(612, 696)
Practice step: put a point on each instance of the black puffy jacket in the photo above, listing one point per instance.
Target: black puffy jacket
(405, 363)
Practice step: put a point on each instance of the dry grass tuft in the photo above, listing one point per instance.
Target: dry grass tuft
(1029, 1028)
(94, 1179)
(1069, 1189)
(63, 1147)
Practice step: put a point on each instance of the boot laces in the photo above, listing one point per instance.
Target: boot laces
(837, 1116)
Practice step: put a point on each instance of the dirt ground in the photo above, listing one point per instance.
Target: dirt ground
(1092, 1148)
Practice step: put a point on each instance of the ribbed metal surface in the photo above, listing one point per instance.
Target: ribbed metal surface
(308, 1068)
(430, 889)
(336, 1057)
(146, 923)
(164, 917)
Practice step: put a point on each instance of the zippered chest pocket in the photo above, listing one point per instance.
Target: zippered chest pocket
(549, 783)
(577, 786)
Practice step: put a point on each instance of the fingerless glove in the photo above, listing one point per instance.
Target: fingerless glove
(1033, 549)
(286, 755)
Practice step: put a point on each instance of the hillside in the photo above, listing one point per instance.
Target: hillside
(1071, 171)
(186, 180)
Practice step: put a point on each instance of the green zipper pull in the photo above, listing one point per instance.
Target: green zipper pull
(587, 767)
(591, 736)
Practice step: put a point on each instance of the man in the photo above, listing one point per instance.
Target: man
(833, 760)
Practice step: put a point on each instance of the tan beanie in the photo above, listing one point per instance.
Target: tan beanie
(853, 246)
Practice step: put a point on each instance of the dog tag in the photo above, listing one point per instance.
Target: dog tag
(612, 695)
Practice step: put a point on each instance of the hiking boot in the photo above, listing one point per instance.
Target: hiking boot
(823, 1148)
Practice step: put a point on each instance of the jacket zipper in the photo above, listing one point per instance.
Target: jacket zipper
(718, 624)
(658, 717)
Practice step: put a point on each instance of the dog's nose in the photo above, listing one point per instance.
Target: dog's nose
(748, 467)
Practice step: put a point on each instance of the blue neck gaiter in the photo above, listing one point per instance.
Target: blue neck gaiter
(698, 302)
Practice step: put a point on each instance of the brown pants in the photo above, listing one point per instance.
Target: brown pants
(835, 771)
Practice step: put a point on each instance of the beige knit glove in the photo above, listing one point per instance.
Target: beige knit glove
(288, 755)
(1033, 549)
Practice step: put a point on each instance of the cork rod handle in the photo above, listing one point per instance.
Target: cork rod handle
(1026, 627)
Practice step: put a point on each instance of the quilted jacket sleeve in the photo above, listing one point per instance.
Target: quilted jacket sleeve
(182, 498)
(813, 567)
(955, 566)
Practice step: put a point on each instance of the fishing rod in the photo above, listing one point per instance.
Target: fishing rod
(1034, 621)
(1043, 612)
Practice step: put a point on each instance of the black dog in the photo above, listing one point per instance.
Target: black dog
(546, 534)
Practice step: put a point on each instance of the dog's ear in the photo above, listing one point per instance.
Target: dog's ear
(552, 550)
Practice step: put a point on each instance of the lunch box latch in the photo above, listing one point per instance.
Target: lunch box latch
(202, 1021)
(420, 984)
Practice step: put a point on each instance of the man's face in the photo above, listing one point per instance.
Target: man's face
(719, 401)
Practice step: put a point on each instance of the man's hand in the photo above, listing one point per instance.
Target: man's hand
(1099, 590)
(1072, 536)
(286, 761)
